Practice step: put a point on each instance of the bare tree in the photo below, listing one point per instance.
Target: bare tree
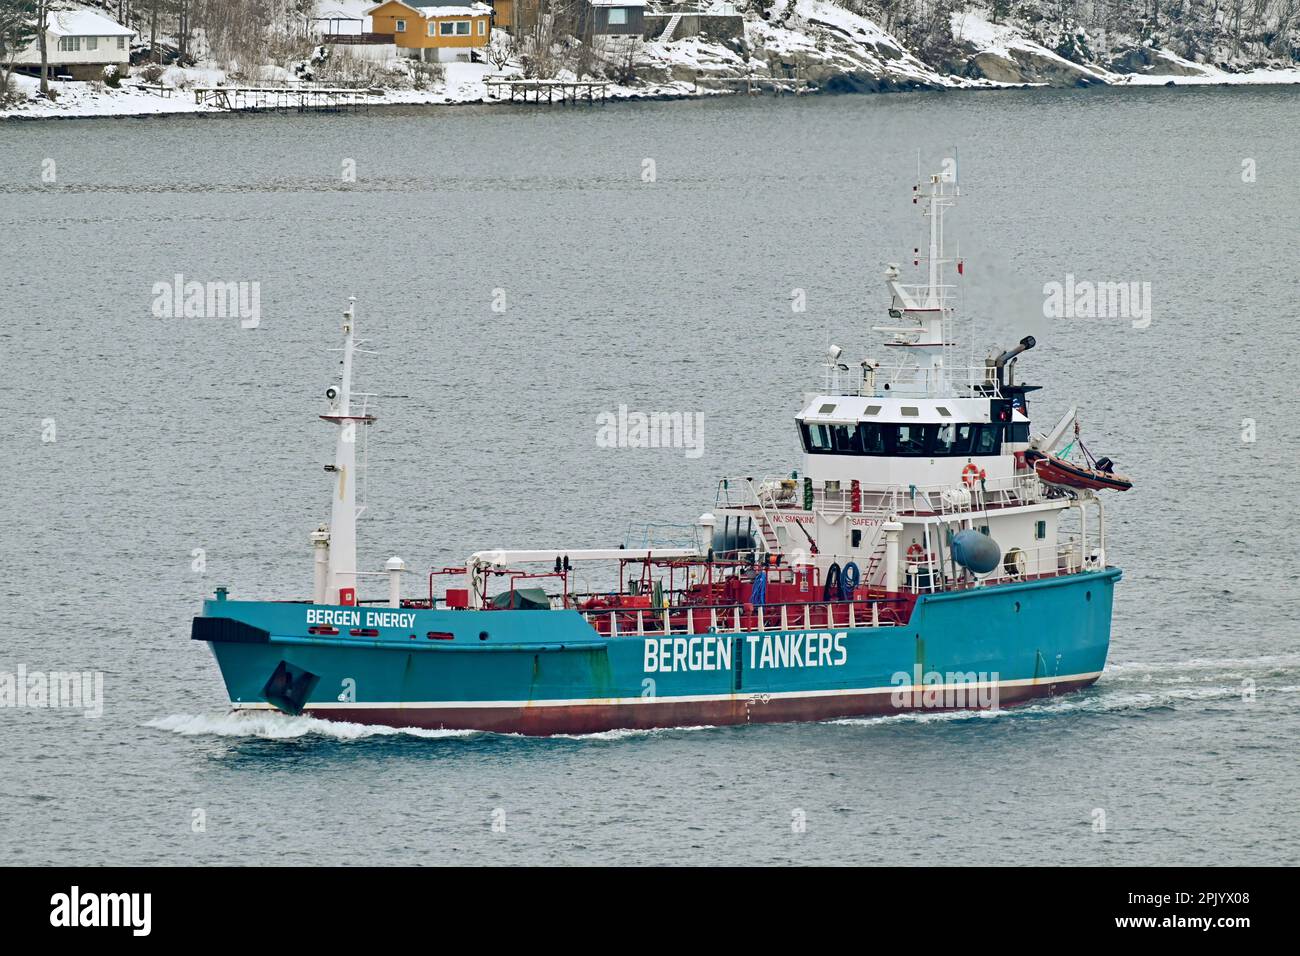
(500, 51)
(42, 26)
(17, 31)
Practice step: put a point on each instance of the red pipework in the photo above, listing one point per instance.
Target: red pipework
(432, 574)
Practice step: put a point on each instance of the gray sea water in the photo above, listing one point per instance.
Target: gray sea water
(171, 435)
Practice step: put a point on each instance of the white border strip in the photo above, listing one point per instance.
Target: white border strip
(684, 699)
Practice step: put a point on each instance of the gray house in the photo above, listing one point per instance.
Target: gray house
(612, 18)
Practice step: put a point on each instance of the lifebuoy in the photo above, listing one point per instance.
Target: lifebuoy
(915, 551)
(971, 474)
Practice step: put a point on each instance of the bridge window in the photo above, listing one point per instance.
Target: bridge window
(817, 438)
(873, 438)
(987, 442)
(909, 439)
(846, 439)
(903, 439)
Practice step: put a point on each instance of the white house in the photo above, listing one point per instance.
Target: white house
(79, 43)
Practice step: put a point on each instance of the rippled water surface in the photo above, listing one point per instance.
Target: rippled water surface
(177, 434)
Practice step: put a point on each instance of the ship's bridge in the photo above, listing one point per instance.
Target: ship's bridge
(923, 441)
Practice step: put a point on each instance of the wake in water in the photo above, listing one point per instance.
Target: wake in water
(273, 726)
(1136, 686)
(268, 725)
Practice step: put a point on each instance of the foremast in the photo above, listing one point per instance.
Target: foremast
(338, 583)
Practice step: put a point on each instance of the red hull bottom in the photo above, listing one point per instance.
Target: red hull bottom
(544, 720)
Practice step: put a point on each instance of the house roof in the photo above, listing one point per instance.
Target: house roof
(430, 12)
(473, 10)
(86, 23)
(369, 10)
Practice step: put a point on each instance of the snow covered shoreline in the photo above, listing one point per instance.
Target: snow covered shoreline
(127, 103)
(820, 42)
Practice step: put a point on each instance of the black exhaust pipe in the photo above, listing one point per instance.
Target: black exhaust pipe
(1000, 362)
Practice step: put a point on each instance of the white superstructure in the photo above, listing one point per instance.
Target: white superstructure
(901, 455)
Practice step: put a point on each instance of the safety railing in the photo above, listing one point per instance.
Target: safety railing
(882, 611)
(778, 496)
(870, 381)
(935, 571)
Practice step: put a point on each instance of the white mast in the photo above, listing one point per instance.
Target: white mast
(926, 343)
(341, 579)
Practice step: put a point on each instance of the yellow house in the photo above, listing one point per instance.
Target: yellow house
(436, 32)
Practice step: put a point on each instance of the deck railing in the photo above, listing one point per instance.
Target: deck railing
(772, 494)
(935, 572)
(882, 611)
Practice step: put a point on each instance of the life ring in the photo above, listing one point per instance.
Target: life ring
(971, 474)
(915, 552)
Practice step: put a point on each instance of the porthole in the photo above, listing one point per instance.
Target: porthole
(482, 635)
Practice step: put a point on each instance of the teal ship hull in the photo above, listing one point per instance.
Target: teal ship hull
(542, 672)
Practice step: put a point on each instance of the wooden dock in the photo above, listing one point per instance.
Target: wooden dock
(300, 99)
(547, 91)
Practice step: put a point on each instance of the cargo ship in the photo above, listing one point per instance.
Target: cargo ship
(915, 559)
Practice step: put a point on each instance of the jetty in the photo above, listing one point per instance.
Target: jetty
(301, 99)
(548, 91)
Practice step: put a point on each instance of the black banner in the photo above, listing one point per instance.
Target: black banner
(330, 906)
